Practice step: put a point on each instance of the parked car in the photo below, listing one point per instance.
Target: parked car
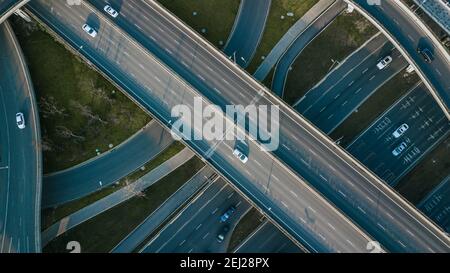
(400, 148)
(20, 120)
(90, 30)
(111, 11)
(384, 62)
(224, 217)
(400, 130)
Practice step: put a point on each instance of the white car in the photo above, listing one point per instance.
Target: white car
(384, 62)
(90, 30)
(400, 148)
(400, 130)
(20, 120)
(242, 157)
(111, 11)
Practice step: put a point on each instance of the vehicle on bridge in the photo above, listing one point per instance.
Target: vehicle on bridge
(90, 30)
(426, 54)
(400, 148)
(384, 62)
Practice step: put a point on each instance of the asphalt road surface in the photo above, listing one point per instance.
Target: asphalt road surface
(267, 239)
(344, 89)
(7, 7)
(283, 66)
(437, 204)
(93, 175)
(410, 36)
(195, 229)
(428, 126)
(264, 179)
(20, 153)
(247, 30)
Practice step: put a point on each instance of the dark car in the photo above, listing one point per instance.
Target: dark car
(426, 54)
(224, 217)
(223, 233)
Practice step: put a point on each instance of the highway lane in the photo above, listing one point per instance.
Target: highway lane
(269, 184)
(345, 88)
(406, 30)
(428, 126)
(176, 201)
(290, 55)
(20, 152)
(196, 227)
(437, 204)
(8, 7)
(247, 30)
(108, 168)
(267, 239)
(303, 148)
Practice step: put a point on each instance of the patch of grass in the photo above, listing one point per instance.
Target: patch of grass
(106, 230)
(52, 215)
(343, 36)
(431, 170)
(373, 107)
(79, 110)
(248, 223)
(277, 27)
(216, 16)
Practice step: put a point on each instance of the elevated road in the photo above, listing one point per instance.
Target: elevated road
(247, 30)
(437, 204)
(407, 33)
(263, 178)
(275, 182)
(90, 176)
(361, 195)
(20, 152)
(8, 7)
(350, 84)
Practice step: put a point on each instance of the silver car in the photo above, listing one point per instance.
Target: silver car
(90, 30)
(20, 120)
(400, 130)
(400, 148)
(242, 157)
(111, 11)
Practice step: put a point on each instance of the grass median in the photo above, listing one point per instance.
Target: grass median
(214, 16)
(248, 223)
(431, 170)
(343, 36)
(102, 233)
(79, 110)
(52, 215)
(373, 107)
(277, 27)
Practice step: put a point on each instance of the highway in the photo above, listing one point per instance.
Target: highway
(176, 201)
(8, 7)
(437, 204)
(129, 65)
(121, 195)
(290, 55)
(20, 152)
(267, 239)
(106, 169)
(270, 184)
(351, 83)
(405, 30)
(247, 30)
(428, 126)
(365, 198)
(195, 228)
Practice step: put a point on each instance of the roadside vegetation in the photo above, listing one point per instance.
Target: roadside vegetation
(343, 36)
(215, 17)
(431, 170)
(52, 215)
(277, 27)
(103, 232)
(248, 223)
(80, 111)
(374, 106)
